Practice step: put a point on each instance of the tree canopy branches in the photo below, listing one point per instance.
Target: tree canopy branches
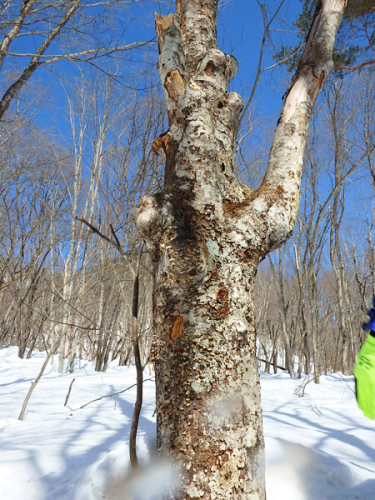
(44, 32)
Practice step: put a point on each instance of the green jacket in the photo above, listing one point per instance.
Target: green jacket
(364, 372)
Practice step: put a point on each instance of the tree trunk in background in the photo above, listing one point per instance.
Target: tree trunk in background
(208, 233)
(278, 278)
(302, 310)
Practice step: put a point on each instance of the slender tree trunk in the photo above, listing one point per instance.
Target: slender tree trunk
(278, 277)
(208, 233)
(33, 385)
(137, 406)
(302, 308)
(139, 368)
(314, 324)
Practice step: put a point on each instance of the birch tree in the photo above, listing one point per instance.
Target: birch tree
(208, 233)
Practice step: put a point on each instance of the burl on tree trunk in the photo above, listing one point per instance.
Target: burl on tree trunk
(208, 233)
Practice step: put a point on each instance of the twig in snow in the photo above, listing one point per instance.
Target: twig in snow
(300, 389)
(343, 380)
(33, 385)
(67, 396)
(115, 393)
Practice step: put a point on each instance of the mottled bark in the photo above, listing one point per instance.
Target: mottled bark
(208, 233)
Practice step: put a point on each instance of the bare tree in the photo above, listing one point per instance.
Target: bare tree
(57, 30)
(208, 233)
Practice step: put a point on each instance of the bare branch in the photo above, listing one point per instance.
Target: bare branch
(115, 393)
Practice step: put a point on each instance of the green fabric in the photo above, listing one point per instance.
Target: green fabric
(364, 372)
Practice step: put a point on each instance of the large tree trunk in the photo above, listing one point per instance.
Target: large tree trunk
(208, 233)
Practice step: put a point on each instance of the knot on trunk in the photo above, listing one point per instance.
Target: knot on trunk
(227, 109)
(151, 215)
(217, 69)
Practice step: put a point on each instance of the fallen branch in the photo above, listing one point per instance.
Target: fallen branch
(115, 244)
(67, 396)
(33, 385)
(269, 363)
(114, 394)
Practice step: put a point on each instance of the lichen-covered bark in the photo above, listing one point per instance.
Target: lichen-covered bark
(208, 233)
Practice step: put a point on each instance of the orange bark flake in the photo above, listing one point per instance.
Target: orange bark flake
(318, 84)
(178, 8)
(163, 141)
(175, 84)
(162, 24)
(177, 327)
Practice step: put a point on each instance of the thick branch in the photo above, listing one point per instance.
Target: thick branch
(278, 195)
(35, 61)
(114, 393)
(77, 56)
(115, 243)
(17, 25)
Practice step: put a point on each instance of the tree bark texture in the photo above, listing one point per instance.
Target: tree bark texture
(208, 233)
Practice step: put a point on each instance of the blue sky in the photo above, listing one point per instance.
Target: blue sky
(240, 30)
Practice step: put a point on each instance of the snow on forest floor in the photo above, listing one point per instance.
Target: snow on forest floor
(318, 447)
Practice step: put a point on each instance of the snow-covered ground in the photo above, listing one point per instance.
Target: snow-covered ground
(318, 447)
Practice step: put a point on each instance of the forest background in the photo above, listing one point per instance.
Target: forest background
(76, 156)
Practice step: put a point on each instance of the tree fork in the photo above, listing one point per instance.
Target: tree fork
(208, 233)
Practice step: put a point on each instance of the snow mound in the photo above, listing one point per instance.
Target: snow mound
(114, 479)
(294, 471)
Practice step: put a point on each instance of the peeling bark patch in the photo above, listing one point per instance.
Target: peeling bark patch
(318, 84)
(210, 68)
(162, 24)
(231, 208)
(175, 84)
(222, 297)
(163, 141)
(177, 327)
(178, 7)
